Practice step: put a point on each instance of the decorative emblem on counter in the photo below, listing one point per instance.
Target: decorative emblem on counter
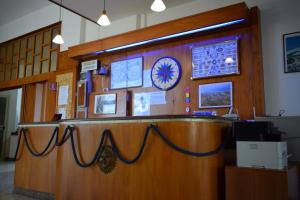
(107, 160)
(166, 73)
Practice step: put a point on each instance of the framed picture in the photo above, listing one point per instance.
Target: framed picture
(291, 46)
(127, 73)
(105, 104)
(215, 95)
(217, 59)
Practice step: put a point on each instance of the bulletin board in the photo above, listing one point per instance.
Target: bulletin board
(64, 95)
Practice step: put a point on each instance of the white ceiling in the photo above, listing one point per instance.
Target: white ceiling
(116, 8)
(14, 9)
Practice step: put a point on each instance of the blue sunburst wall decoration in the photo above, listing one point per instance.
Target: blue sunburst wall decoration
(166, 73)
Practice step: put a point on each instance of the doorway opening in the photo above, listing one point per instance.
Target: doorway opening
(10, 110)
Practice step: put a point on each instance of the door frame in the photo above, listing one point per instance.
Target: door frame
(2, 151)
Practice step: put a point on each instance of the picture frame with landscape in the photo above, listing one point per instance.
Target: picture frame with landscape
(215, 95)
(291, 50)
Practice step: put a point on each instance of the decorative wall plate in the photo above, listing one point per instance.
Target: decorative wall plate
(166, 73)
(107, 160)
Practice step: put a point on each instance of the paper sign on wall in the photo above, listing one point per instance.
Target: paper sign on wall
(63, 94)
(147, 82)
(158, 98)
(141, 103)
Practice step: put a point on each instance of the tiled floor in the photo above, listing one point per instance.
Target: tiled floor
(6, 182)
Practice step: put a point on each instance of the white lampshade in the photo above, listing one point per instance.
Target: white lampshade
(58, 39)
(103, 20)
(158, 6)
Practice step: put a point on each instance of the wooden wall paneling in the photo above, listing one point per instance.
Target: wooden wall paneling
(66, 63)
(6, 85)
(49, 102)
(161, 173)
(221, 15)
(28, 103)
(36, 173)
(261, 184)
(20, 60)
(258, 74)
(181, 50)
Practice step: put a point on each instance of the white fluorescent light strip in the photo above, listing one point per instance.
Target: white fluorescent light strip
(177, 35)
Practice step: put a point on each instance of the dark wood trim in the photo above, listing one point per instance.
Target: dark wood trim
(73, 11)
(11, 84)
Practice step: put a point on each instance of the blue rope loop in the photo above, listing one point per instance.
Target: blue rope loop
(107, 134)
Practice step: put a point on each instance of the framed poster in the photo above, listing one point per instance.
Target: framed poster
(127, 73)
(105, 104)
(291, 46)
(215, 95)
(141, 104)
(217, 59)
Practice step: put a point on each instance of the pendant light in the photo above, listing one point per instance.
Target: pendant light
(103, 20)
(158, 6)
(58, 39)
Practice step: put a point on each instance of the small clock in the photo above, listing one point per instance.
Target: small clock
(166, 73)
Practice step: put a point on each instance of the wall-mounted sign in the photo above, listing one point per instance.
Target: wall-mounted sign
(89, 65)
(127, 73)
(217, 59)
(166, 73)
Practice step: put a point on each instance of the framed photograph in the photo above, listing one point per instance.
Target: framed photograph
(215, 95)
(291, 46)
(105, 104)
(216, 59)
(127, 73)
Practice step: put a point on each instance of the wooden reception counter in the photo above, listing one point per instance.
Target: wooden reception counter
(167, 168)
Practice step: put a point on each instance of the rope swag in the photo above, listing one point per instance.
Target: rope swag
(108, 136)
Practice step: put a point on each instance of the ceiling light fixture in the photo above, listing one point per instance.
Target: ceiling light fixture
(158, 6)
(103, 20)
(58, 39)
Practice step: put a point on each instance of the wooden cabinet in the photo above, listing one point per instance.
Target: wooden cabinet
(261, 184)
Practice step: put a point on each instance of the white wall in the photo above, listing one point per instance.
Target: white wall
(277, 17)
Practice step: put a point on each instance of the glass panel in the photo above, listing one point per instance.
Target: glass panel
(23, 49)
(38, 43)
(21, 68)
(16, 47)
(47, 37)
(54, 33)
(3, 49)
(45, 66)
(28, 70)
(9, 53)
(37, 65)
(46, 52)
(53, 61)
(7, 73)
(1, 76)
(29, 56)
(15, 60)
(14, 73)
(30, 42)
(1, 67)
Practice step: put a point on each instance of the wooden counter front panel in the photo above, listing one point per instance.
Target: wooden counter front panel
(161, 173)
(36, 173)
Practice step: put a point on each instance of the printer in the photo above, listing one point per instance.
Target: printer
(259, 145)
